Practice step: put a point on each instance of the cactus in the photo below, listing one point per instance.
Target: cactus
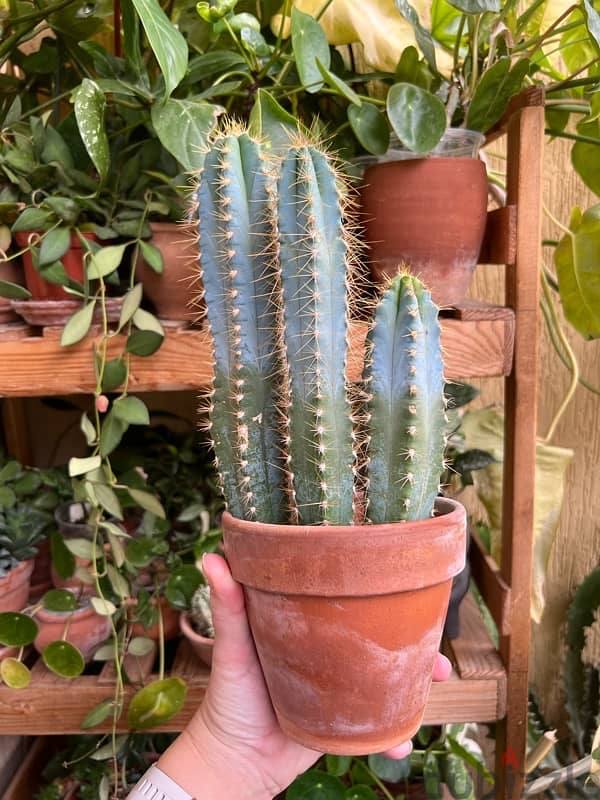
(313, 258)
(288, 431)
(406, 412)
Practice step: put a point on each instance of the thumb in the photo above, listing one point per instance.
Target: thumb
(233, 640)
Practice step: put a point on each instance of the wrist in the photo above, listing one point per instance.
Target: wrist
(208, 770)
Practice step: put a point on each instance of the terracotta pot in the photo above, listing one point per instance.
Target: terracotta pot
(9, 272)
(347, 621)
(84, 628)
(14, 588)
(72, 261)
(429, 213)
(170, 619)
(41, 577)
(172, 291)
(201, 645)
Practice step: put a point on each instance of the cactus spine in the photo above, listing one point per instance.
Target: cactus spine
(313, 257)
(235, 198)
(288, 432)
(406, 411)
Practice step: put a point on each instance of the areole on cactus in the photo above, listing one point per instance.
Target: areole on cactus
(294, 440)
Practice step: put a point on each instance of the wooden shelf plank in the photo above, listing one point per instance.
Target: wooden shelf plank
(479, 346)
(475, 692)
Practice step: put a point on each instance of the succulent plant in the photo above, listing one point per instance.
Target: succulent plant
(201, 613)
(21, 529)
(7, 562)
(295, 441)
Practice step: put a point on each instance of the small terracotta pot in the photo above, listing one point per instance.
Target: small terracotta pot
(429, 214)
(347, 621)
(14, 588)
(9, 272)
(85, 629)
(72, 261)
(172, 291)
(201, 645)
(170, 620)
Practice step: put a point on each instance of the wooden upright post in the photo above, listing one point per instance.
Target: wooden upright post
(524, 183)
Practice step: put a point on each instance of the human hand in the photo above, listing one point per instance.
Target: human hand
(234, 747)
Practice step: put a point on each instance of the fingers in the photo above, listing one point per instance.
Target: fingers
(442, 668)
(400, 751)
(233, 639)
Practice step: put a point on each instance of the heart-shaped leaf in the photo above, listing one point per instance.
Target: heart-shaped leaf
(14, 673)
(17, 630)
(156, 703)
(63, 659)
(309, 44)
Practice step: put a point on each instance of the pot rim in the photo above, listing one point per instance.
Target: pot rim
(188, 630)
(348, 560)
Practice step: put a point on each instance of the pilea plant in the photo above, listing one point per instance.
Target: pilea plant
(295, 441)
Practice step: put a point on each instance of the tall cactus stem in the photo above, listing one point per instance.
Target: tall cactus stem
(405, 406)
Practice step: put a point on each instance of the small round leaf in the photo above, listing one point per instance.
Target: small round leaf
(316, 785)
(59, 600)
(370, 128)
(140, 646)
(17, 630)
(14, 673)
(156, 703)
(63, 659)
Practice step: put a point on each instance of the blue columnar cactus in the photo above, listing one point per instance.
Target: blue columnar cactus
(292, 443)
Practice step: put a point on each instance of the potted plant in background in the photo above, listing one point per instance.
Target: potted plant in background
(317, 475)
(22, 528)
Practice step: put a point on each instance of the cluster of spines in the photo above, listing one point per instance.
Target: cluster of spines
(406, 416)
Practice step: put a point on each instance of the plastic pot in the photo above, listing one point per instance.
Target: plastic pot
(347, 621)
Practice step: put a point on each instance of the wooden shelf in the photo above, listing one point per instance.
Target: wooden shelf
(477, 341)
(475, 692)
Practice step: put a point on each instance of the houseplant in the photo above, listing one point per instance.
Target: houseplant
(22, 528)
(317, 474)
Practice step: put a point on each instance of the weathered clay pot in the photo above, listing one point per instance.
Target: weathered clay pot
(84, 628)
(14, 588)
(201, 645)
(172, 291)
(429, 214)
(347, 621)
(72, 261)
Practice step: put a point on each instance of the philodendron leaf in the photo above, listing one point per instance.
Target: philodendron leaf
(309, 44)
(592, 21)
(14, 673)
(316, 785)
(78, 325)
(13, 291)
(183, 127)
(271, 121)
(476, 6)
(578, 270)
(54, 245)
(98, 714)
(370, 128)
(497, 85)
(167, 43)
(89, 105)
(156, 703)
(417, 116)
(63, 659)
(17, 630)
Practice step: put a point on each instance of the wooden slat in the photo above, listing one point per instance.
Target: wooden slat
(40, 367)
(500, 239)
(490, 583)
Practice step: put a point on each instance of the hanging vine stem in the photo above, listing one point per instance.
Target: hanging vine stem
(555, 327)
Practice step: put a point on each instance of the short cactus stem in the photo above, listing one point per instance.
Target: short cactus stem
(406, 410)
